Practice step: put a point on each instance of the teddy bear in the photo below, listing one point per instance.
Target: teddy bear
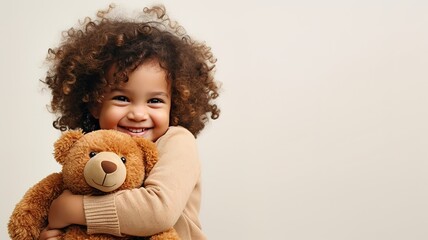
(96, 163)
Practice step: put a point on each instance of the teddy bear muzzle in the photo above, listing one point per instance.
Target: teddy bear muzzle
(105, 171)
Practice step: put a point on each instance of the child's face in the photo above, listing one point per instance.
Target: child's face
(141, 106)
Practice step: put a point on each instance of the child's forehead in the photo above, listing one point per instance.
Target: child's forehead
(158, 83)
(115, 69)
(121, 76)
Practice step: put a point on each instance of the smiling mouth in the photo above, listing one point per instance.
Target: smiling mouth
(136, 130)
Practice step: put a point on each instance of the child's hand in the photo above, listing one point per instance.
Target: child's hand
(50, 234)
(65, 210)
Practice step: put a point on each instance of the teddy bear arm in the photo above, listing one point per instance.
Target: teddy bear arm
(170, 234)
(29, 217)
(76, 232)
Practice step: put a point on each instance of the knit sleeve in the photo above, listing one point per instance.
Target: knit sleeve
(101, 215)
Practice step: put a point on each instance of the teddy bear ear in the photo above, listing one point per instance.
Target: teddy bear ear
(150, 153)
(64, 143)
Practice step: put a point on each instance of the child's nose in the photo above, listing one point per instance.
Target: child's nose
(138, 113)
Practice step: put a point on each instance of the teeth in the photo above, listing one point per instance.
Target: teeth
(139, 130)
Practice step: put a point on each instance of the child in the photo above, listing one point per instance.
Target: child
(146, 78)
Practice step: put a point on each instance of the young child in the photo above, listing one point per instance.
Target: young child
(147, 78)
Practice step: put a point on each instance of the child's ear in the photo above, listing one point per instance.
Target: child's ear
(95, 111)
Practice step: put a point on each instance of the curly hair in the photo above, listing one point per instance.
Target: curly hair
(77, 68)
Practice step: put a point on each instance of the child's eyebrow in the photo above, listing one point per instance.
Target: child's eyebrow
(156, 93)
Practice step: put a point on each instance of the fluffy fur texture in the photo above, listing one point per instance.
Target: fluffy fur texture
(73, 151)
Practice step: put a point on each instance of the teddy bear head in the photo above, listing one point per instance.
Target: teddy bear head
(103, 161)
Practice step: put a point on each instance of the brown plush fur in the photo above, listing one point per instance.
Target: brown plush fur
(72, 151)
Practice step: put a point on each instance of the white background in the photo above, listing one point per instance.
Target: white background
(324, 125)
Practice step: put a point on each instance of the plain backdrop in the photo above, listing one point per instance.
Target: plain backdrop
(324, 126)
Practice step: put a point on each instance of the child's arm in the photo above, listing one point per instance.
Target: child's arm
(144, 211)
(65, 210)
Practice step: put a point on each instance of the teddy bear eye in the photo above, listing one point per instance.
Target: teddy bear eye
(123, 159)
(92, 154)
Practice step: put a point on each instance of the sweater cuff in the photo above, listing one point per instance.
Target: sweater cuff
(101, 214)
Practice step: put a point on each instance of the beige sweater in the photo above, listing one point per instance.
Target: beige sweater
(170, 198)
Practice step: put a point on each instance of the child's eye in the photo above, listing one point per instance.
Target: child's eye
(121, 98)
(156, 100)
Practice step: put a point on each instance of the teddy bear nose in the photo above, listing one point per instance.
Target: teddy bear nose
(108, 166)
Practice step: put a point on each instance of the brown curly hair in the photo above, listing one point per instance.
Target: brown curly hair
(76, 76)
